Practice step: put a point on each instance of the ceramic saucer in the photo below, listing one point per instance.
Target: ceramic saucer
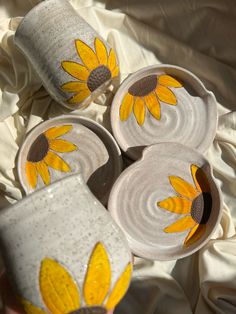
(65, 145)
(163, 103)
(167, 203)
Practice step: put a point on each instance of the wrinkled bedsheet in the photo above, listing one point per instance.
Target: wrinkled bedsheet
(196, 34)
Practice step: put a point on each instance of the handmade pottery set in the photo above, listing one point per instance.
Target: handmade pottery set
(64, 252)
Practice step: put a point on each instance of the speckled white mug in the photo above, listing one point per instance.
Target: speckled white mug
(63, 252)
(74, 63)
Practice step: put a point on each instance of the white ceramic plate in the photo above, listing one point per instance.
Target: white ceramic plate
(163, 103)
(70, 144)
(167, 203)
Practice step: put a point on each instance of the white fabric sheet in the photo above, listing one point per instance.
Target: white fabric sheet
(196, 34)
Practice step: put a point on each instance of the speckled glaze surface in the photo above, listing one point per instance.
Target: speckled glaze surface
(167, 203)
(163, 103)
(72, 60)
(47, 240)
(69, 144)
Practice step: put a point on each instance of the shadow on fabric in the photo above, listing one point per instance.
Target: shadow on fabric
(197, 35)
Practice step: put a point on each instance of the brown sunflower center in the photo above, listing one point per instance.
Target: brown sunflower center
(201, 208)
(97, 77)
(38, 149)
(144, 86)
(90, 310)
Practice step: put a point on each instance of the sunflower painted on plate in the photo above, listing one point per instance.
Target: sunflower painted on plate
(98, 67)
(61, 295)
(148, 92)
(194, 202)
(42, 155)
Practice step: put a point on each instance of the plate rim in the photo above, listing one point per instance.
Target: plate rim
(113, 117)
(81, 119)
(132, 242)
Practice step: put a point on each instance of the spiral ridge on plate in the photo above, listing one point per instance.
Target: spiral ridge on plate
(138, 207)
(180, 122)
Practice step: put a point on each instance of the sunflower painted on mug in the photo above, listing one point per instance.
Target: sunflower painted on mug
(61, 295)
(98, 67)
(193, 202)
(148, 92)
(42, 155)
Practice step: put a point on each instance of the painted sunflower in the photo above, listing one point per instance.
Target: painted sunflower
(148, 92)
(194, 202)
(42, 155)
(61, 295)
(98, 68)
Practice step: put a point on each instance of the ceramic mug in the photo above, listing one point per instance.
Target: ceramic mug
(63, 252)
(74, 63)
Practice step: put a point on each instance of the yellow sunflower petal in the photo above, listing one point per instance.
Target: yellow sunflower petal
(168, 80)
(183, 188)
(153, 105)
(77, 98)
(31, 174)
(62, 146)
(86, 54)
(200, 179)
(166, 95)
(76, 70)
(58, 290)
(195, 234)
(74, 87)
(181, 225)
(115, 72)
(98, 276)
(112, 60)
(178, 205)
(120, 288)
(101, 51)
(57, 131)
(126, 107)
(30, 308)
(42, 169)
(56, 162)
(139, 110)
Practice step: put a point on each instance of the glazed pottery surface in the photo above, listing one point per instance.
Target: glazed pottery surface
(167, 203)
(70, 144)
(163, 103)
(63, 251)
(72, 60)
